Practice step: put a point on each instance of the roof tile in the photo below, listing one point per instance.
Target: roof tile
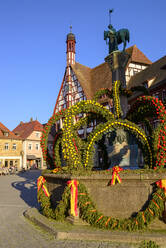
(25, 129)
(4, 129)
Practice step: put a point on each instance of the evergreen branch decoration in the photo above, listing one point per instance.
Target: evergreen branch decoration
(69, 148)
(149, 107)
(102, 92)
(112, 125)
(116, 99)
(90, 214)
(79, 154)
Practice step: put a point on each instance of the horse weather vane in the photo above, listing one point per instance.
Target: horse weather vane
(114, 37)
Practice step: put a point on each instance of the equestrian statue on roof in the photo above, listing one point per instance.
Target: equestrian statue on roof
(116, 37)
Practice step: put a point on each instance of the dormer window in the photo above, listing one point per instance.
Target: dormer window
(6, 134)
(37, 134)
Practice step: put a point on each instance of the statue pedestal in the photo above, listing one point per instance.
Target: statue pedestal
(117, 62)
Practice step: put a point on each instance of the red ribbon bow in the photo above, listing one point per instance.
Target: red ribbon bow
(115, 175)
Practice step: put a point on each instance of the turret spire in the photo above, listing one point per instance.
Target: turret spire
(70, 47)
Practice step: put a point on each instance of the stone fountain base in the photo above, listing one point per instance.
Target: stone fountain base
(120, 201)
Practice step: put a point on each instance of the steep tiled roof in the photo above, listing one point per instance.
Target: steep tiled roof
(137, 56)
(99, 77)
(84, 77)
(25, 129)
(156, 71)
(3, 130)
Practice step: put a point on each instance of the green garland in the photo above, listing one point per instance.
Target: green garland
(69, 141)
(102, 92)
(101, 129)
(90, 214)
(44, 138)
(62, 208)
(148, 244)
(149, 107)
(109, 93)
(116, 100)
(159, 145)
(79, 154)
(56, 155)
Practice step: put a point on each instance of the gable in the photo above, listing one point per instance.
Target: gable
(71, 91)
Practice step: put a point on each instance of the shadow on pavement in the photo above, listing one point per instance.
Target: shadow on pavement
(28, 187)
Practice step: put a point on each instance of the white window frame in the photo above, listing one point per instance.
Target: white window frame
(14, 147)
(6, 146)
(29, 146)
(37, 146)
(37, 134)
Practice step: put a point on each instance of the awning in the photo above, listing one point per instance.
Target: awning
(31, 157)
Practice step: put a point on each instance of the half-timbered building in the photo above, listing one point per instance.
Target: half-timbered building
(81, 82)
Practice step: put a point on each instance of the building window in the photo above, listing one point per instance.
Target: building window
(50, 147)
(155, 124)
(164, 95)
(6, 146)
(14, 147)
(6, 134)
(135, 72)
(37, 146)
(37, 134)
(29, 146)
(11, 163)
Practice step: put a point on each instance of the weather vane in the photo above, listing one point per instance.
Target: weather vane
(110, 11)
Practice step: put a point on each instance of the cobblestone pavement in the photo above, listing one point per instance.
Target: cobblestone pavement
(17, 193)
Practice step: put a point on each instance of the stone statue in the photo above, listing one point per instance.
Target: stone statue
(119, 153)
(116, 37)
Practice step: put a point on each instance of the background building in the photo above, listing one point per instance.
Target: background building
(81, 82)
(30, 133)
(11, 153)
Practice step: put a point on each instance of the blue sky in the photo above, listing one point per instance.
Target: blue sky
(33, 48)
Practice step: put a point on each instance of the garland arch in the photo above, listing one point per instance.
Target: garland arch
(148, 106)
(80, 153)
(96, 135)
(69, 139)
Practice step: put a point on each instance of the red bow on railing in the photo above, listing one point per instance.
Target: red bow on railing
(115, 175)
(40, 184)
